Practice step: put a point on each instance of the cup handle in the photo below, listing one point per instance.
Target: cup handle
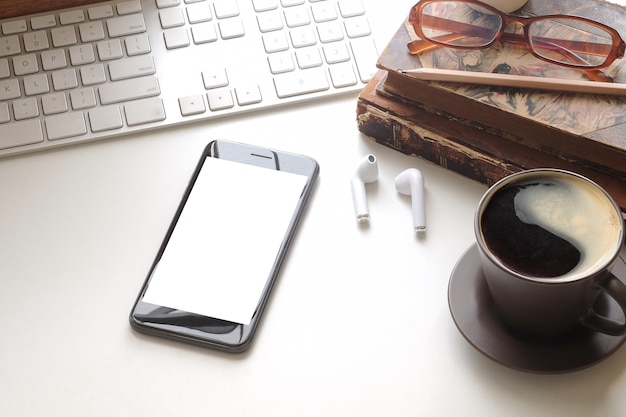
(616, 289)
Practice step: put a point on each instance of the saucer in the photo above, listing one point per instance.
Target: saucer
(475, 317)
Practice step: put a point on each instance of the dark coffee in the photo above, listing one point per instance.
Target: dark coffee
(549, 226)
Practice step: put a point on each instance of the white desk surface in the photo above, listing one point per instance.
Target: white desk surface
(358, 323)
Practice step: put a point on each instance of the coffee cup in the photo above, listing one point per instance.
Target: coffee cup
(547, 240)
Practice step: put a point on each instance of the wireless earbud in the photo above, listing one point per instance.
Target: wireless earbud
(411, 182)
(367, 172)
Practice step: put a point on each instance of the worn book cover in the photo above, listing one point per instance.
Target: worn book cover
(472, 152)
(587, 128)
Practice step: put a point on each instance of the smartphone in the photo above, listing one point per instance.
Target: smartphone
(214, 271)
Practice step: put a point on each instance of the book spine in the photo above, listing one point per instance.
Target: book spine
(591, 152)
(471, 152)
(411, 139)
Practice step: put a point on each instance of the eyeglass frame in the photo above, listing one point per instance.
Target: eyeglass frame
(617, 50)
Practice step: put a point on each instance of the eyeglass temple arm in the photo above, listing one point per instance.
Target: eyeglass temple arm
(418, 46)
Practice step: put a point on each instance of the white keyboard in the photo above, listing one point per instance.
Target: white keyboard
(112, 68)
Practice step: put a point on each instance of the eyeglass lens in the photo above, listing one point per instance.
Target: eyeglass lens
(562, 40)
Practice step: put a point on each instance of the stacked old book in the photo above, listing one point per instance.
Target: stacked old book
(486, 132)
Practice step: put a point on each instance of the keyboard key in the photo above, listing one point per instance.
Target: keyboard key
(144, 111)
(131, 89)
(71, 17)
(302, 37)
(214, 78)
(126, 25)
(342, 75)
(330, 32)
(105, 118)
(357, 27)
(9, 45)
(225, 8)
(199, 12)
(269, 21)
(82, 54)
(53, 60)
(63, 36)
(132, 67)
(109, 49)
(16, 26)
(83, 98)
(191, 105)
(264, 5)
(36, 84)
(281, 62)
(64, 79)
(10, 89)
(92, 74)
(65, 126)
(137, 44)
(25, 64)
(176, 38)
(167, 3)
(171, 18)
(54, 103)
(5, 116)
(43, 22)
(100, 12)
(290, 3)
(231, 28)
(365, 56)
(297, 16)
(36, 41)
(324, 12)
(308, 57)
(275, 42)
(220, 99)
(128, 7)
(303, 82)
(350, 8)
(91, 31)
(203, 33)
(25, 109)
(249, 94)
(337, 52)
(5, 72)
(20, 133)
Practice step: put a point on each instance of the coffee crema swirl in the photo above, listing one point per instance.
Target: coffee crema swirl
(551, 226)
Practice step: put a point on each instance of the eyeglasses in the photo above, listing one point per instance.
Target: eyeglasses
(569, 41)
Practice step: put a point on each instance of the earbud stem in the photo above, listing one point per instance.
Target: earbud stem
(419, 216)
(361, 209)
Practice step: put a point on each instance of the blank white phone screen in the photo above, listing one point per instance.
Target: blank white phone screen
(222, 250)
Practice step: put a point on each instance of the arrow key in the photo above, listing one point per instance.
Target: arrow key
(220, 99)
(191, 105)
(249, 94)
